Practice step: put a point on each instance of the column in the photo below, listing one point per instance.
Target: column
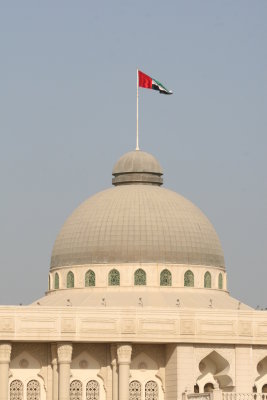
(124, 352)
(243, 364)
(64, 353)
(5, 352)
(54, 371)
(113, 354)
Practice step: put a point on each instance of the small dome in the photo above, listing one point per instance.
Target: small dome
(137, 167)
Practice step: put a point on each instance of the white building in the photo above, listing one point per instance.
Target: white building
(137, 306)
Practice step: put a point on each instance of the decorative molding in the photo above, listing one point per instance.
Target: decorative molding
(7, 325)
(124, 352)
(157, 326)
(245, 328)
(68, 325)
(187, 327)
(128, 326)
(64, 352)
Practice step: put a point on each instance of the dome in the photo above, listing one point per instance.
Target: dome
(137, 223)
(137, 167)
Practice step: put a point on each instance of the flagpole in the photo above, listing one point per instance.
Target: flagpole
(137, 96)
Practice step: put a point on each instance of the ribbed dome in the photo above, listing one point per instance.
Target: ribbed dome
(137, 223)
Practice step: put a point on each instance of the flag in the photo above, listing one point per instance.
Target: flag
(147, 82)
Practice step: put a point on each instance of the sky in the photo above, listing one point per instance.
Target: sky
(68, 112)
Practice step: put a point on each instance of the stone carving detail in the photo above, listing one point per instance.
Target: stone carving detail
(220, 281)
(189, 279)
(114, 278)
(140, 277)
(33, 390)
(64, 352)
(90, 278)
(16, 390)
(165, 278)
(70, 279)
(124, 352)
(151, 391)
(207, 280)
(56, 283)
(135, 390)
(92, 390)
(76, 390)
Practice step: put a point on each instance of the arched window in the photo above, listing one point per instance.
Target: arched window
(33, 390)
(207, 280)
(135, 390)
(140, 277)
(165, 278)
(114, 278)
(208, 387)
(220, 281)
(264, 388)
(70, 279)
(90, 278)
(56, 283)
(16, 390)
(92, 390)
(189, 279)
(76, 390)
(151, 391)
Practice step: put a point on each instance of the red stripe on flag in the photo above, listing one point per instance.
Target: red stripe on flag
(144, 80)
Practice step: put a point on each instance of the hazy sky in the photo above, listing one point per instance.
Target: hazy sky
(67, 101)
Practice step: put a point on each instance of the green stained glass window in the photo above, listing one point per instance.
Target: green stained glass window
(140, 277)
(165, 278)
(189, 279)
(70, 279)
(114, 278)
(90, 278)
(207, 280)
(220, 281)
(56, 283)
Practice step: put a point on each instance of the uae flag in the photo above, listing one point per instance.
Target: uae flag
(147, 82)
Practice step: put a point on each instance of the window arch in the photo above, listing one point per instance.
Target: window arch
(114, 278)
(90, 278)
(76, 390)
(92, 390)
(220, 281)
(151, 391)
(70, 279)
(33, 390)
(16, 390)
(140, 277)
(264, 388)
(135, 390)
(207, 280)
(165, 278)
(56, 283)
(189, 279)
(208, 387)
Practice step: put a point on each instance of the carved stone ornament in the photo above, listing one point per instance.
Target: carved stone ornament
(124, 352)
(64, 352)
(5, 352)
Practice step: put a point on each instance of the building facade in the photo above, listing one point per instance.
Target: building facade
(137, 306)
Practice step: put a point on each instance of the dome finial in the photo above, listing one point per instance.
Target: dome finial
(137, 167)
